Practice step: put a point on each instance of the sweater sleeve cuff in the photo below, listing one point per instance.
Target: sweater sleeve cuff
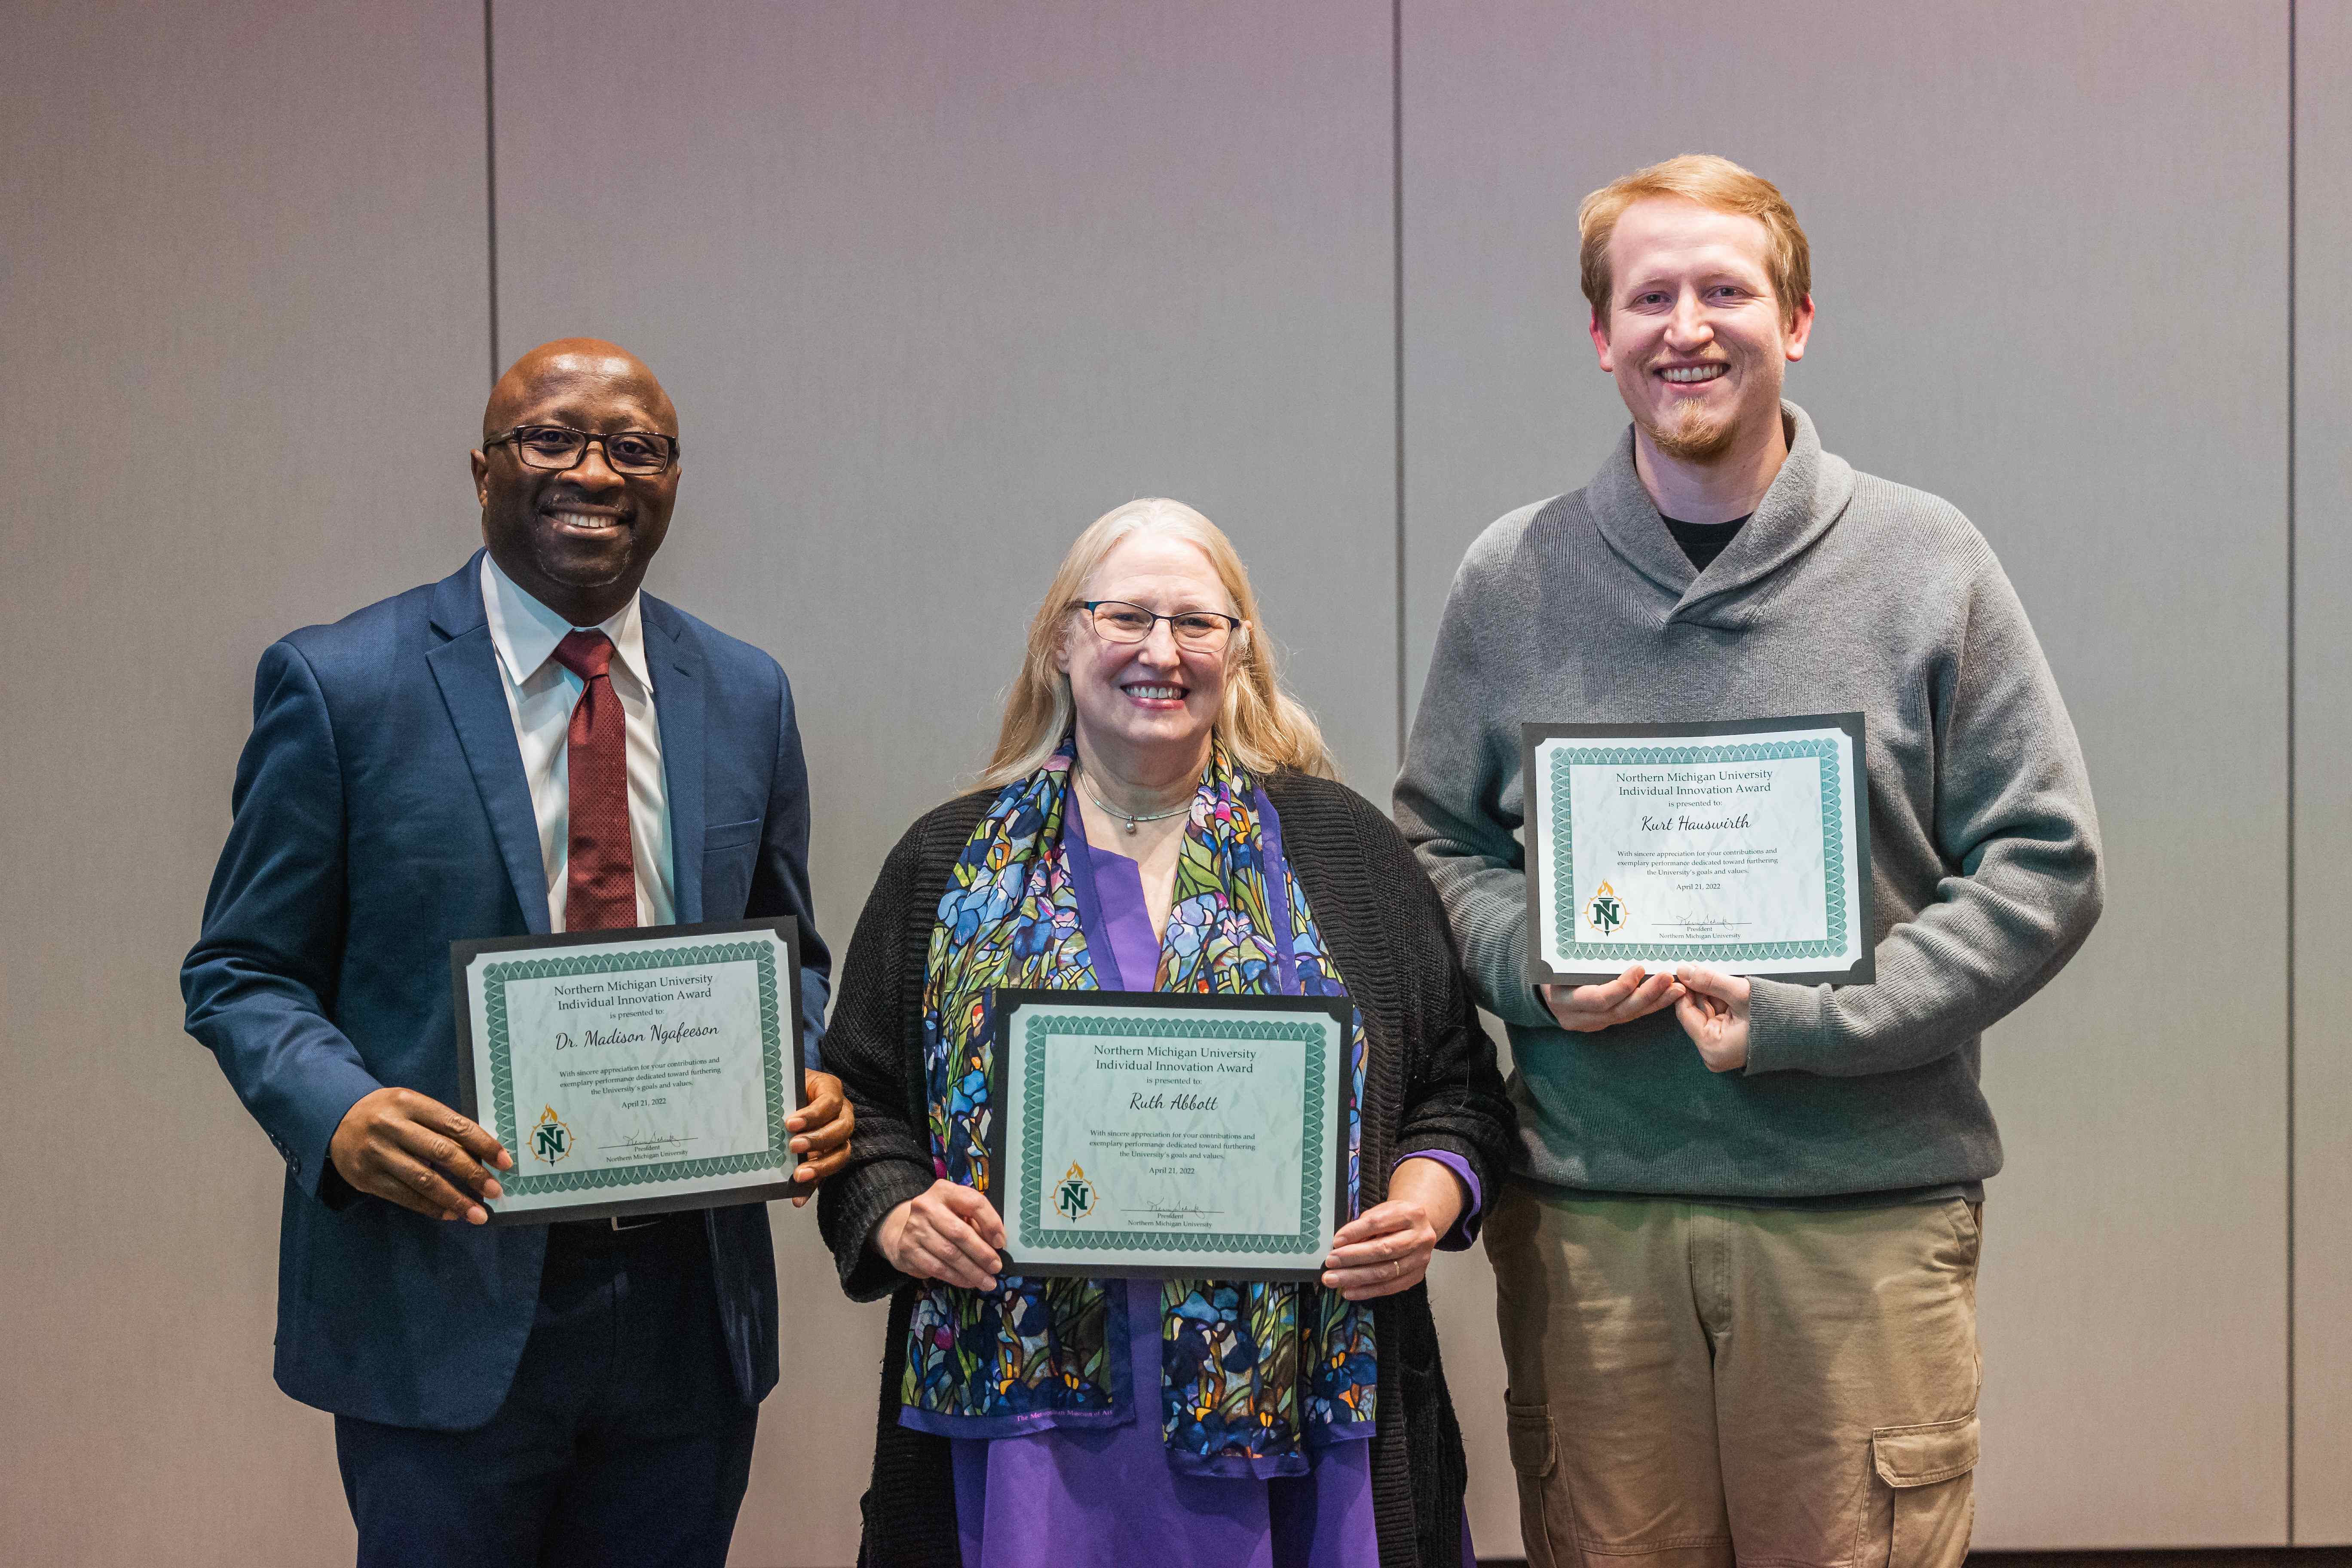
(1495, 948)
(1788, 1028)
(1465, 1224)
(864, 1199)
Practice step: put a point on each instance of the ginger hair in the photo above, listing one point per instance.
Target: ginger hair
(1711, 182)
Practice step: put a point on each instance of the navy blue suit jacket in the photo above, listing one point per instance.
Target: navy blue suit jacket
(381, 814)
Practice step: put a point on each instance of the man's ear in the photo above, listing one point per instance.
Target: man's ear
(482, 477)
(1598, 325)
(1800, 331)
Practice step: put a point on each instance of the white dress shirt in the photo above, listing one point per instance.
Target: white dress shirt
(541, 695)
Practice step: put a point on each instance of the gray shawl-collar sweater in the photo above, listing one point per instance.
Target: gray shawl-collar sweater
(1843, 592)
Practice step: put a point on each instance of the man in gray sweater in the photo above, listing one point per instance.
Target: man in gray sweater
(1737, 1264)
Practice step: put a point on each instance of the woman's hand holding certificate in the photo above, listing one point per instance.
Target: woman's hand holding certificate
(949, 1233)
(1387, 1248)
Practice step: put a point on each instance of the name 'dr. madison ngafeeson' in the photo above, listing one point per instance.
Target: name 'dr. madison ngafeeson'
(669, 1036)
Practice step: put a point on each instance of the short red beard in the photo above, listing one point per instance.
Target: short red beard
(1696, 436)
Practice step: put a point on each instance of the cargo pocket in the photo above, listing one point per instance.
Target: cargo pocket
(1535, 1458)
(1931, 1470)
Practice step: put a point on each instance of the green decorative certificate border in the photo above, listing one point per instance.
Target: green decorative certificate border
(495, 980)
(1313, 1034)
(1566, 758)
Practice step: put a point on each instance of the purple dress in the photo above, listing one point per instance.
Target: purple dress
(1107, 1494)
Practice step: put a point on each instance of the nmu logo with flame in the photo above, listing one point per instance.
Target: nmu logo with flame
(1606, 912)
(1074, 1195)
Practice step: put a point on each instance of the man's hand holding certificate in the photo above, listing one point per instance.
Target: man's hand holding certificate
(1742, 848)
(641, 1071)
(1668, 862)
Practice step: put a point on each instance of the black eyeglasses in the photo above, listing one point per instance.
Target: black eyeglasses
(552, 448)
(1201, 631)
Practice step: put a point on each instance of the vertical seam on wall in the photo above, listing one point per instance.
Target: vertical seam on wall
(2292, 65)
(1396, 265)
(490, 170)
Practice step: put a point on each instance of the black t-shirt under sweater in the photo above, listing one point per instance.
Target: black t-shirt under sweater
(1703, 541)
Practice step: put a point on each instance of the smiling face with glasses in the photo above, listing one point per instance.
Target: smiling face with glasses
(1147, 654)
(577, 475)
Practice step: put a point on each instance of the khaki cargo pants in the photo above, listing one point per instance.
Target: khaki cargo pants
(1694, 1385)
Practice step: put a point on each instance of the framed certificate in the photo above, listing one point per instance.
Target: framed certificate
(633, 1071)
(1741, 845)
(1146, 1133)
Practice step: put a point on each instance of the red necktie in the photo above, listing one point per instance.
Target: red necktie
(601, 875)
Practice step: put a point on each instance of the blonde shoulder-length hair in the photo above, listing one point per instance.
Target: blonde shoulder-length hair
(1263, 727)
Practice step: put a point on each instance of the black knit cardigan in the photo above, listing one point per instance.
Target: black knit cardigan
(1431, 1083)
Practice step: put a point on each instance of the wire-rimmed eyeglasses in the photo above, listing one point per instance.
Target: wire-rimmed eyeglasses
(1196, 631)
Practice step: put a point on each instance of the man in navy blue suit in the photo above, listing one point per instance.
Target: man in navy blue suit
(529, 745)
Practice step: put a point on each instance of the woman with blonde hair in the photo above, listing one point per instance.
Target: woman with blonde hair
(1159, 816)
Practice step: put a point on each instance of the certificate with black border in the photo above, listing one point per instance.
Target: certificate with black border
(1143, 1133)
(633, 1072)
(1742, 846)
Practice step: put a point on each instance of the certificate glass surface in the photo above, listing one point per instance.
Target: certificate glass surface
(1138, 1132)
(633, 1072)
(1742, 846)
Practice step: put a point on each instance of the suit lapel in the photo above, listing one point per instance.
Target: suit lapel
(466, 668)
(681, 690)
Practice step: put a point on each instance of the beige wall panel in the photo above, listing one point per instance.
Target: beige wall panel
(244, 327)
(934, 285)
(1461, 1295)
(2323, 749)
(2049, 254)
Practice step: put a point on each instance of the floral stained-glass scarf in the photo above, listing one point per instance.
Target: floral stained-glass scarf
(1253, 1373)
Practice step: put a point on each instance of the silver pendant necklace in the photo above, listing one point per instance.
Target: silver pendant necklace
(1129, 817)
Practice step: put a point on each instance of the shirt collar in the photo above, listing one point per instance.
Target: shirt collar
(526, 631)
